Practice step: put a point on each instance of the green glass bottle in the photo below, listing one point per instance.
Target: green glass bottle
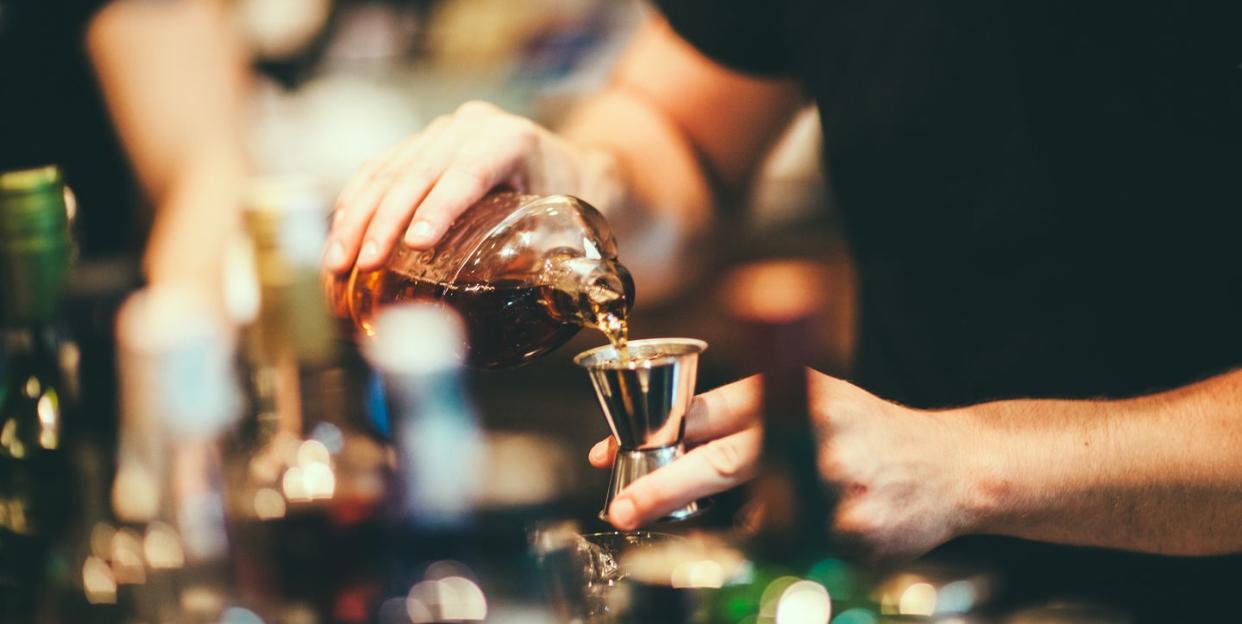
(35, 465)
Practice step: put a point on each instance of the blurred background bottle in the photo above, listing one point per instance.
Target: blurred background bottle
(168, 554)
(36, 471)
(799, 573)
(524, 272)
(464, 499)
(308, 465)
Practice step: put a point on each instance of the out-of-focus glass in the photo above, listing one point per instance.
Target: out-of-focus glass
(583, 571)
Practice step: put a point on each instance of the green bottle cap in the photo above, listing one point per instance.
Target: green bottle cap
(35, 244)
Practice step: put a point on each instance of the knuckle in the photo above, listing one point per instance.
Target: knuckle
(473, 180)
(476, 107)
(418, 176)
(831, 465)
(524, 130)
(436, 124)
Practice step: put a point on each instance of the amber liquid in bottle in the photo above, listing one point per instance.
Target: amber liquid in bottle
(507, 322)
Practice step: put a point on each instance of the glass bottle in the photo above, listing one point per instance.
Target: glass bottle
(796, 565)
(525, 272)
(456, 551)
(35, 465)
(169, 553)
(309, 469)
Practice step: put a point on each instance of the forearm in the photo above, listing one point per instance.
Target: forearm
(173, 75)
(1160, 473)
(649, 183)
(682, 131)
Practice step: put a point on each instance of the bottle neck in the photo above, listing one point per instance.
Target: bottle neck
(595, 290)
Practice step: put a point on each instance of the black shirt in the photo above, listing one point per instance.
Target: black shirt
(1043, 198)
(52, 112)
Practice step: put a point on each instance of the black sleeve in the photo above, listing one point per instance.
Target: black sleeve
(746, 35)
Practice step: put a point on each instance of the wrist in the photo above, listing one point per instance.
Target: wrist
(983, 461)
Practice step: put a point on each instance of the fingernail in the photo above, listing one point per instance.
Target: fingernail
(622, 513)
(419, 232)
(336, 254)
(597, 451)
(369, 251)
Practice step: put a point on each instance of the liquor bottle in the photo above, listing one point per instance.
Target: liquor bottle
(800, 572)
(524, 272)
(459, 549)
(308, 473)
(36, 486)
(170, 552)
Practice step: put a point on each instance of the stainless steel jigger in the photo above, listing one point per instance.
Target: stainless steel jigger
(645, 400)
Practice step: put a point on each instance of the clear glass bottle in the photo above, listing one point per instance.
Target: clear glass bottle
(525, 272)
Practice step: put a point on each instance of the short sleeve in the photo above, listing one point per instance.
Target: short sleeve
(746, 35)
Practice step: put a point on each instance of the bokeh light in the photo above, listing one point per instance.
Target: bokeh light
(698, 574)
(956, 597)
(269, 504)
(855, 616)
(454, 599)
(162, 547)
(127, 566)
(917, 599)
(238, 615)
(804, 602)
(312, 452)
(98, 581)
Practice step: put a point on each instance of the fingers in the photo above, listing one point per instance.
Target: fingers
(727, 409)
(602, 453)
(419, 187)
(397, 194)
(713, 467)
(711, 415)
(352, 217)
(477, 168)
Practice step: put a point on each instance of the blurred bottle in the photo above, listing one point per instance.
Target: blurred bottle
(451, 532)
(797, 567)
(524, 272)
(440, 451)
(169, 552)
(307, 474)
(36, 483)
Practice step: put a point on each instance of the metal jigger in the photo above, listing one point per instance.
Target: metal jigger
(645, 400)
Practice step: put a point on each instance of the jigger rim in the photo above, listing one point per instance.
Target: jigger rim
(683, 347)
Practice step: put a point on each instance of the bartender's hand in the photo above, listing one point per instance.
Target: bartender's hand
(901, 472)
(416, 189)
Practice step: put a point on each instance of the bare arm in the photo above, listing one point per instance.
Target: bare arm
(683, 130)
(650, 152)
(173, 76)
(1161, 473)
